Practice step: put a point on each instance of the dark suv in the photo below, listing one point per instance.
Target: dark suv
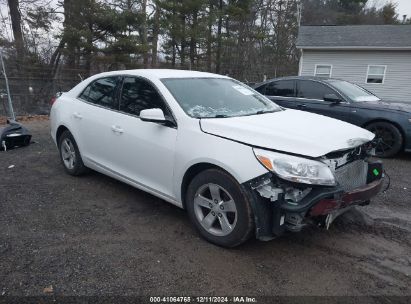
(391, 122)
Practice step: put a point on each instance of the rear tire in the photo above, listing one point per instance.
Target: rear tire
(219, 209)
(389, 138)
(70, 155)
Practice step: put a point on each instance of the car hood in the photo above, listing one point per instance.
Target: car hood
(289, 131)
(387, 105)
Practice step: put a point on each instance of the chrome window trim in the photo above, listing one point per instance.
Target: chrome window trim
(313, 99)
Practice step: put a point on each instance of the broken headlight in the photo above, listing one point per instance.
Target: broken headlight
(296, 169)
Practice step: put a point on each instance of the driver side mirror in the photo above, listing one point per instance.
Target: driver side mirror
(152, 115)
(156, 116)
(332, 98)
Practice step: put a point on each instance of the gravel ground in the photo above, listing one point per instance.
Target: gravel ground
(96, 236)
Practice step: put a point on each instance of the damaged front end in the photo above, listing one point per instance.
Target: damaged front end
(289, 204)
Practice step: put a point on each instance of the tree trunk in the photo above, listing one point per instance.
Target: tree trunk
(173, 38)
(156, 33)
(193, 41)
(219, 40)
(183, 40)
(88, 49)
(15, 17)
(144, 33)
(209, 36)
(69, 26)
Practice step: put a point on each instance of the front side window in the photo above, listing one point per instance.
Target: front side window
(323, 70)
(137, 94)
(217, 97)
(284, 88)
(376, 73)
(313, 90)
(102, 92)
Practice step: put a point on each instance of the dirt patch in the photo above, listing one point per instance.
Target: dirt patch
(26, 118)
(93, 235)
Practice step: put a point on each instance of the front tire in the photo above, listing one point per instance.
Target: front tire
(389, 138)
(70, 155)
(219, 209)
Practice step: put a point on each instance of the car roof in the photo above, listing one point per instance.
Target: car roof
(303, 78)
(314, 78)
(162, 73)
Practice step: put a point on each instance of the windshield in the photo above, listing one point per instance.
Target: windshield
(217, 97)
(353, 91)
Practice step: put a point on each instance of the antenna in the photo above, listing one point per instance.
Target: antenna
(13, 117)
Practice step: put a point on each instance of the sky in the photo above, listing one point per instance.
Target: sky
(404, 8)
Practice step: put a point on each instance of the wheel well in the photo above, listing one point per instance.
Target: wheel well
(60, 131)
(191, 173)
(387, 121)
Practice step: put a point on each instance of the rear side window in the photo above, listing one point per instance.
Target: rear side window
(283, 88)
(313, 90)
(137, 95)
(102, 92)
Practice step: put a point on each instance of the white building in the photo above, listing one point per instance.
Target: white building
(376, 57)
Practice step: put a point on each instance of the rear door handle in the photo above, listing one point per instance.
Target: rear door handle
(301, 106)
(77, 115)
(117, 129)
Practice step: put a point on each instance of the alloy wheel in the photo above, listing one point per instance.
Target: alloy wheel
(385, 139)
(68, 153)
(215, 209)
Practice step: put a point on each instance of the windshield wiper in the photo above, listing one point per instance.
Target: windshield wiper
(264, 112)
(219, 116)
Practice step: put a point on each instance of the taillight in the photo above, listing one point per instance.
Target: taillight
(53, 100)
(55, 97)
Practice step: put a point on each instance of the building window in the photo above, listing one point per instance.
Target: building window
(323, 70)
(376, 73)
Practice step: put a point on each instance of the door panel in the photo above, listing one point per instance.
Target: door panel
(93, 118)
(144, 151)
(310, 98)
(96, 136)
(282, 92)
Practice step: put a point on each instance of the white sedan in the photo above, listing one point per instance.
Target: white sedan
(237, 162)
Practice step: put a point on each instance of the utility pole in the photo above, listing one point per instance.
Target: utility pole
(299, 12)
(13, 117)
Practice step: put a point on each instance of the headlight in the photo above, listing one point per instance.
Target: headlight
(296, 169)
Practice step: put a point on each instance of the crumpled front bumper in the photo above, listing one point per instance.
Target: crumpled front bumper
(273, 218)
(355, 197)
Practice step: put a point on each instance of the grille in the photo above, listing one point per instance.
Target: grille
(352, 175)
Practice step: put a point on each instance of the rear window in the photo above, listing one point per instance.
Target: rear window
(284, 88)
(102, 92)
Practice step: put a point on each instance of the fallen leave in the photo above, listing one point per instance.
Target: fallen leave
(48, 289)
(11, 166)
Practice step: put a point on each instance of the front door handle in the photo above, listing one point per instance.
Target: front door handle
(117, 129)
(301, 106)
(77, 115)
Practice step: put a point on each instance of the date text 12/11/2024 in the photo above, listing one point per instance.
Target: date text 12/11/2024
(235, 299)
